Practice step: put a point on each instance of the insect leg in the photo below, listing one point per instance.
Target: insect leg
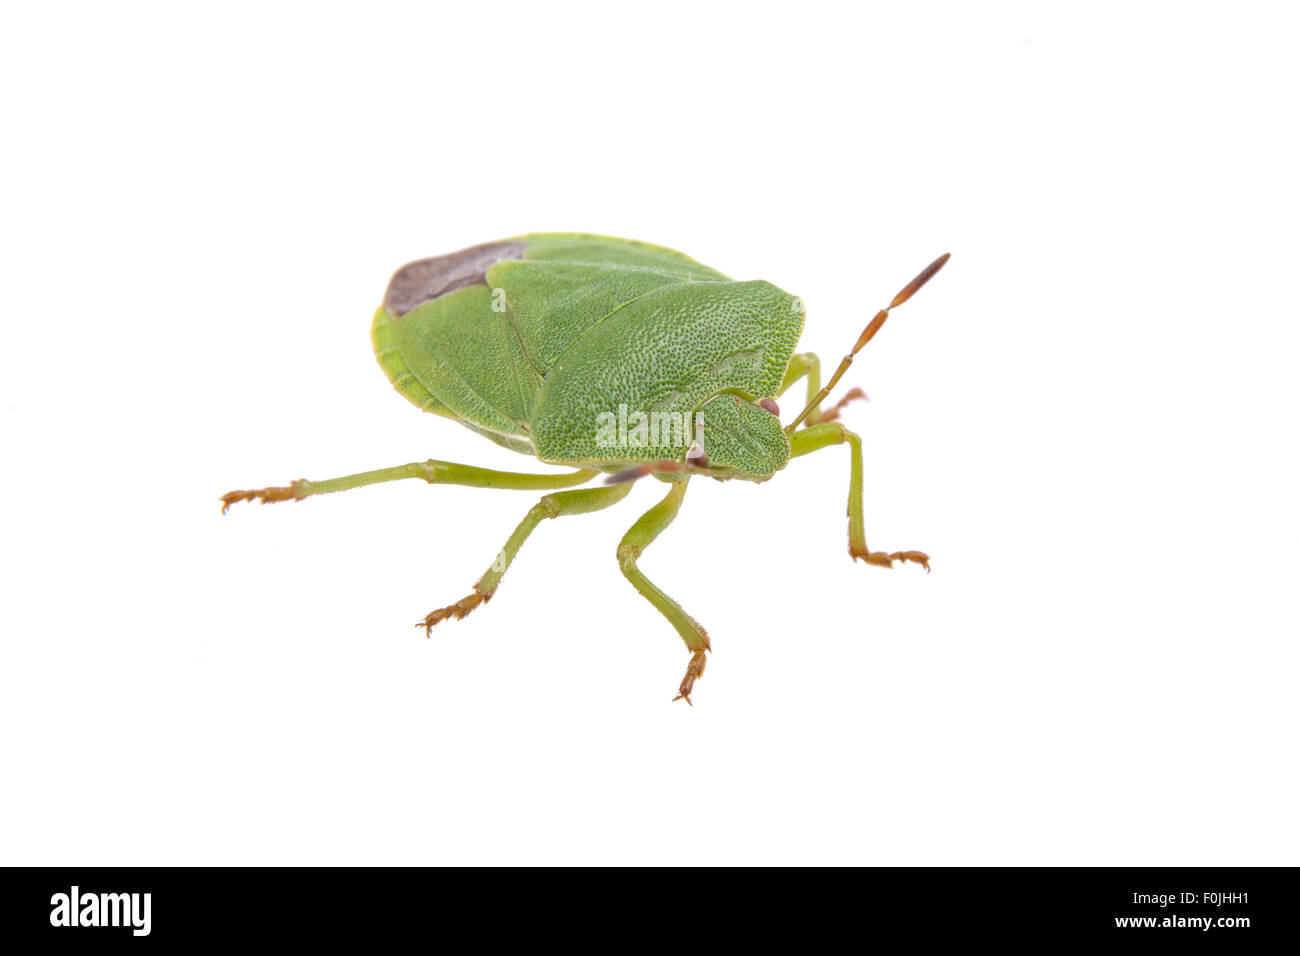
(551, 506)
(823, 436)
(637, 539)
(434, 472)
(833, 413)
(804, 365)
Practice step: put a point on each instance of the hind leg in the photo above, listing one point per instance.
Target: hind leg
(432, 471)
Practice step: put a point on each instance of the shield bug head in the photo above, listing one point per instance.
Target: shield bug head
(742, 438)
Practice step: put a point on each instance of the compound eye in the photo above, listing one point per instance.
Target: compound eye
(771, 405)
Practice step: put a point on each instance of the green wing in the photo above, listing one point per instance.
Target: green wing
(449, 347)
(469, 357)
(456, 356)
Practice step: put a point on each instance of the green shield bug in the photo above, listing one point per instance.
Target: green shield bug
(607, 356)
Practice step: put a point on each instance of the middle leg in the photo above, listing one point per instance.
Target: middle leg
(577, 502)
(637, 539)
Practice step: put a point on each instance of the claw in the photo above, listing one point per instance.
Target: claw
(457, 610)
(265, 495)
(884, 559)
(916, 557)
(694, 670)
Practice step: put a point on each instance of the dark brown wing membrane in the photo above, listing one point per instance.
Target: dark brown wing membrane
(426, 279)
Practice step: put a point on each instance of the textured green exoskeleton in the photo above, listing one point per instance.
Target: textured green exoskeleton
(605, 355)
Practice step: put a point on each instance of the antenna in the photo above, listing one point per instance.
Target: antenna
(868, 333)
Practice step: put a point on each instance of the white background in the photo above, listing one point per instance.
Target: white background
(1088, 419)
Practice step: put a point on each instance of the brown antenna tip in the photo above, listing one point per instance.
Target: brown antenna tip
(925, 276)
